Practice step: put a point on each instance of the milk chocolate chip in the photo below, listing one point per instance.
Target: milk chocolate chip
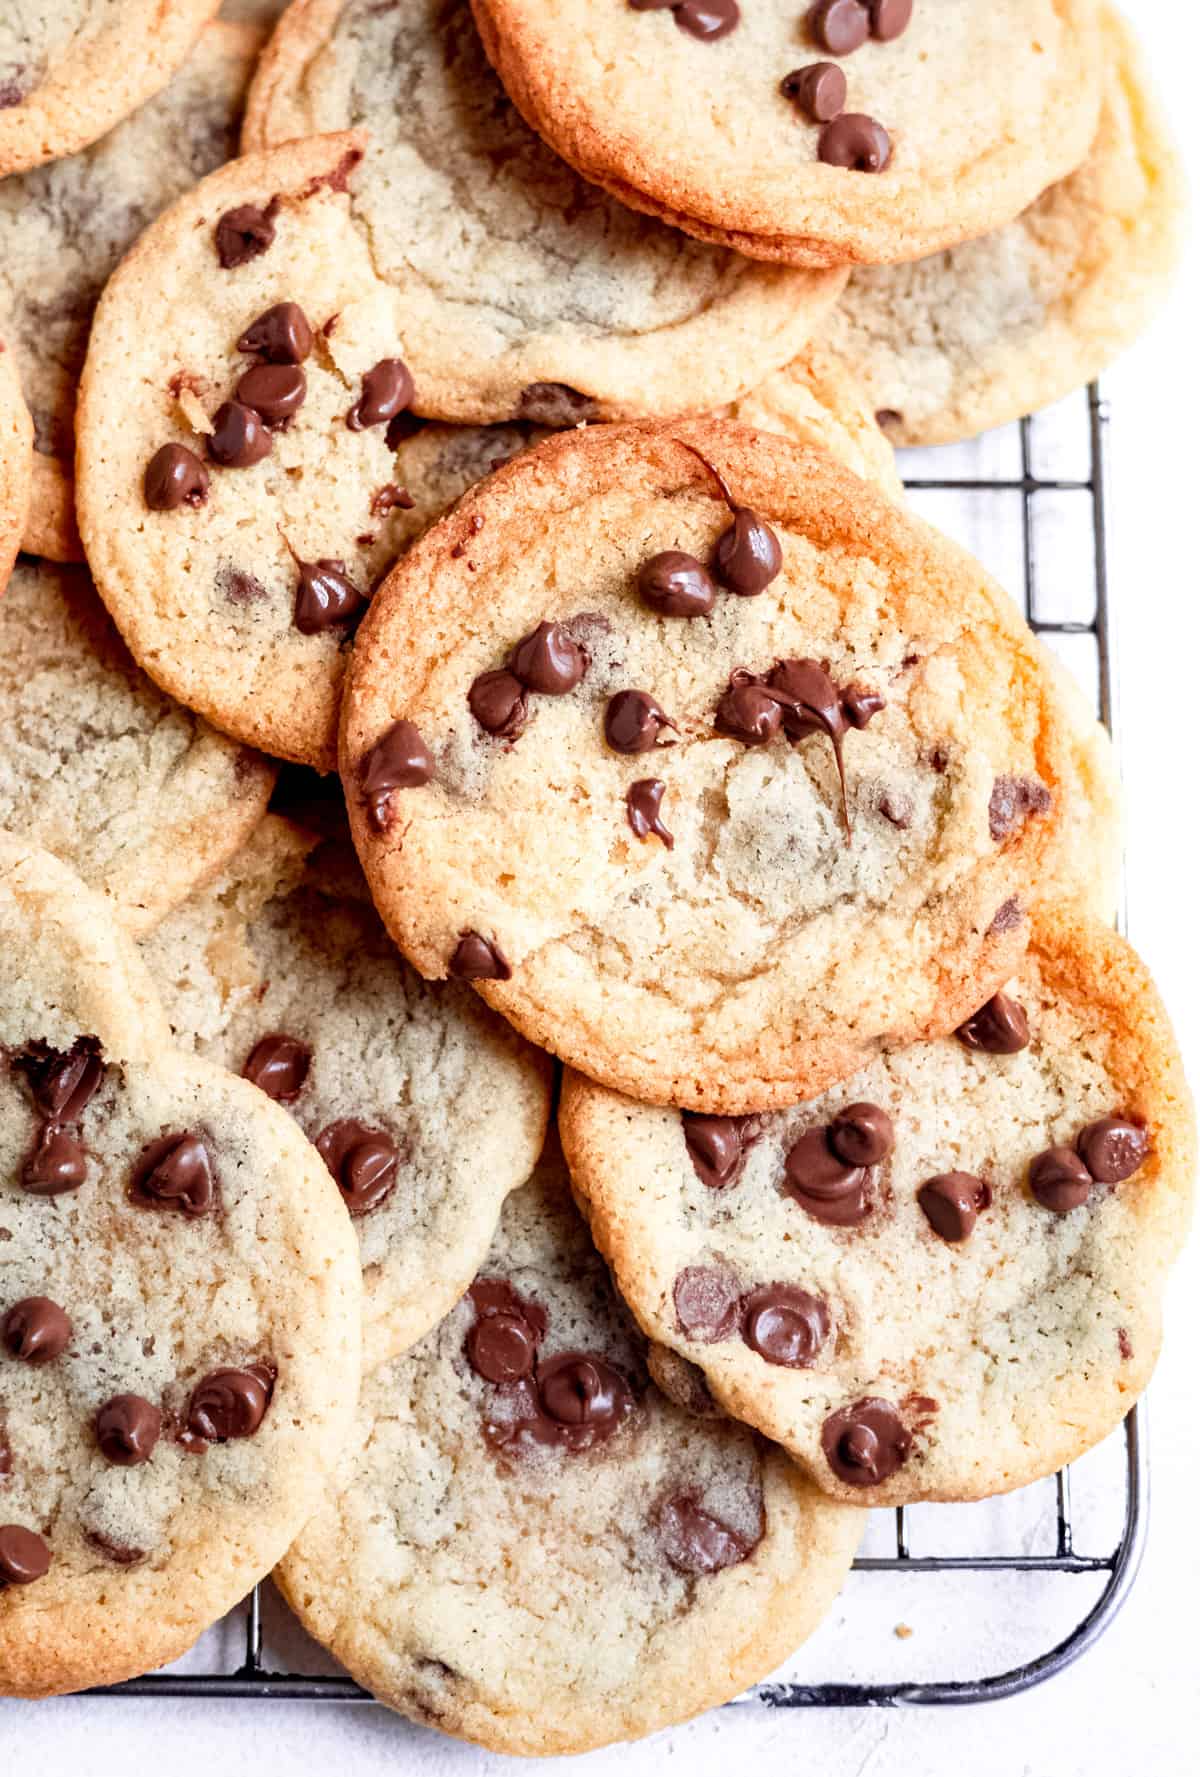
(278, 1065)
(889, 18)
(951, 1203)
(856, 141)
(175, 1172)
(497, 702)
(174, 477)
(274, 391)
(362, 1160)
(862, 1135)
(387, 388)
(281, 335)
(477, 959)
(643, 800)
(127, 1429)
(1000, 1027)
(748, 556)
(55, 1165)
(35, 1330)
(840, 26)
(823, 1184)
(239, 439)
(230, 1403)
(243, 233)
(676, 585)
(1060, 1181)
(634, 721)
(584, 1394)
(325, 597)
(818, 90)
(785, 1325)
(696, 1542)
(24, 1556)
(399, 760)
(548, 660)
(717, 1146)
(707, 1303)
(502, 1344)
(866, 1443)
(748, 713)
(1112, 1149)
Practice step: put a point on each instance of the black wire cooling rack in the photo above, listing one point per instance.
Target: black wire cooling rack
(1067, 510)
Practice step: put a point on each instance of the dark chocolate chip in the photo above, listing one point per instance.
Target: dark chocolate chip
(634, 721)
(889, 18)
(502, 1347)
(63, 1082)
(998, 1028)
(274, 391)
(35, 1330)
(696, 1542)
(555, 405)
(399, 760)
(1112, 1149)
(749, 713)
(866, 1443)
(676, 585)
(856, 141)
(387, 498)
(24, 1556)
(1012, 801)
(362, 1161)
(281, 335)
(478, 959)
(325, 597)
(174, 477)
(548, 660)
(1060, 1181)
(175, 1172)
(951, 1203)
(278, 1065)
(643, 801)
(242, 234)
(498, 703)
(56, 1163)
(127, 1429)
(578, 1390)
(785, 1325)
(862, 1135)
(387, 389)
(718, 1146)
(239, 438)
(748, 556)
(707, 1303)
(230, 1403)
(818, 90)
(840, 26)
(822, 1183)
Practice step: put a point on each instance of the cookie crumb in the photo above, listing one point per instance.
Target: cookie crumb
(902, 1632)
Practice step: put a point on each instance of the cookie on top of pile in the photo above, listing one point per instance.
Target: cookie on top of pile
(556, 505)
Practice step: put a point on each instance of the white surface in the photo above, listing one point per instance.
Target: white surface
(1133, 1704)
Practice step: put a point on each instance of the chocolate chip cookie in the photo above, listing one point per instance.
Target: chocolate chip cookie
(817, 400)
(1001, 326)
(944, 1279)
(735, 772)
(522, 291)
(63, 228)
(72, 69)
(850, 131)
(424, 1105)
(16, 454)
(179, 1309)
(529, 1546)
(137, 795)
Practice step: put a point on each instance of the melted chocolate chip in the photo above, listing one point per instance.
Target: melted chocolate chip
(239, 439)
(866, 1443)
(56, 1164)
(387, 498)
(676, 585)
(127, 1429)
(274, 391)
(399, 760)
(281, 335)
(363, 1162)
(951, 1203)
(548, 660)
(748, 713)
(555, 405)
(35, 1331)
(840, 26)
(479, 959)
(1000, 1027)
(498, 703)
(583, 1393)
(718, 1146)
(811, 703)
(502, 1344)
(63, 1082)
(695, 1541)
(823, 1184)
(1112, 1149)
(174, 477)
(278, 1065)
(643, 800)
(784, 1325)
(387, 388)
(748, 556)
(1013, 800)
(708, 1303)
(175, 1172)
(325, 597)
(243, 233)
(634, 721)
(1060, 1181)
(862, 1135)
(889, 18)
(859, 705)
(230, 1403)
(24, 1556)
(855, 141)
(818, 90)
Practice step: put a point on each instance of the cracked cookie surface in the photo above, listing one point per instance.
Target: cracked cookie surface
(137, 795)
(179, 1309)
(71, 69)
(523, 292)
(281, 971)
(1004, 1332)
(536, 1597)
(980, 108)
(1009, 323)
(759, 954)
(64, 227)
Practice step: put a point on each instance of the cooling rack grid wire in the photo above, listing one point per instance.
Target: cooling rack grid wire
(1002, 1594)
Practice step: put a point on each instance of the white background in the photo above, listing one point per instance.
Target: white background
(1133, 1704)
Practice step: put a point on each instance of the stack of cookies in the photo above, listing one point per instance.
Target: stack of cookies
(508, 430)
